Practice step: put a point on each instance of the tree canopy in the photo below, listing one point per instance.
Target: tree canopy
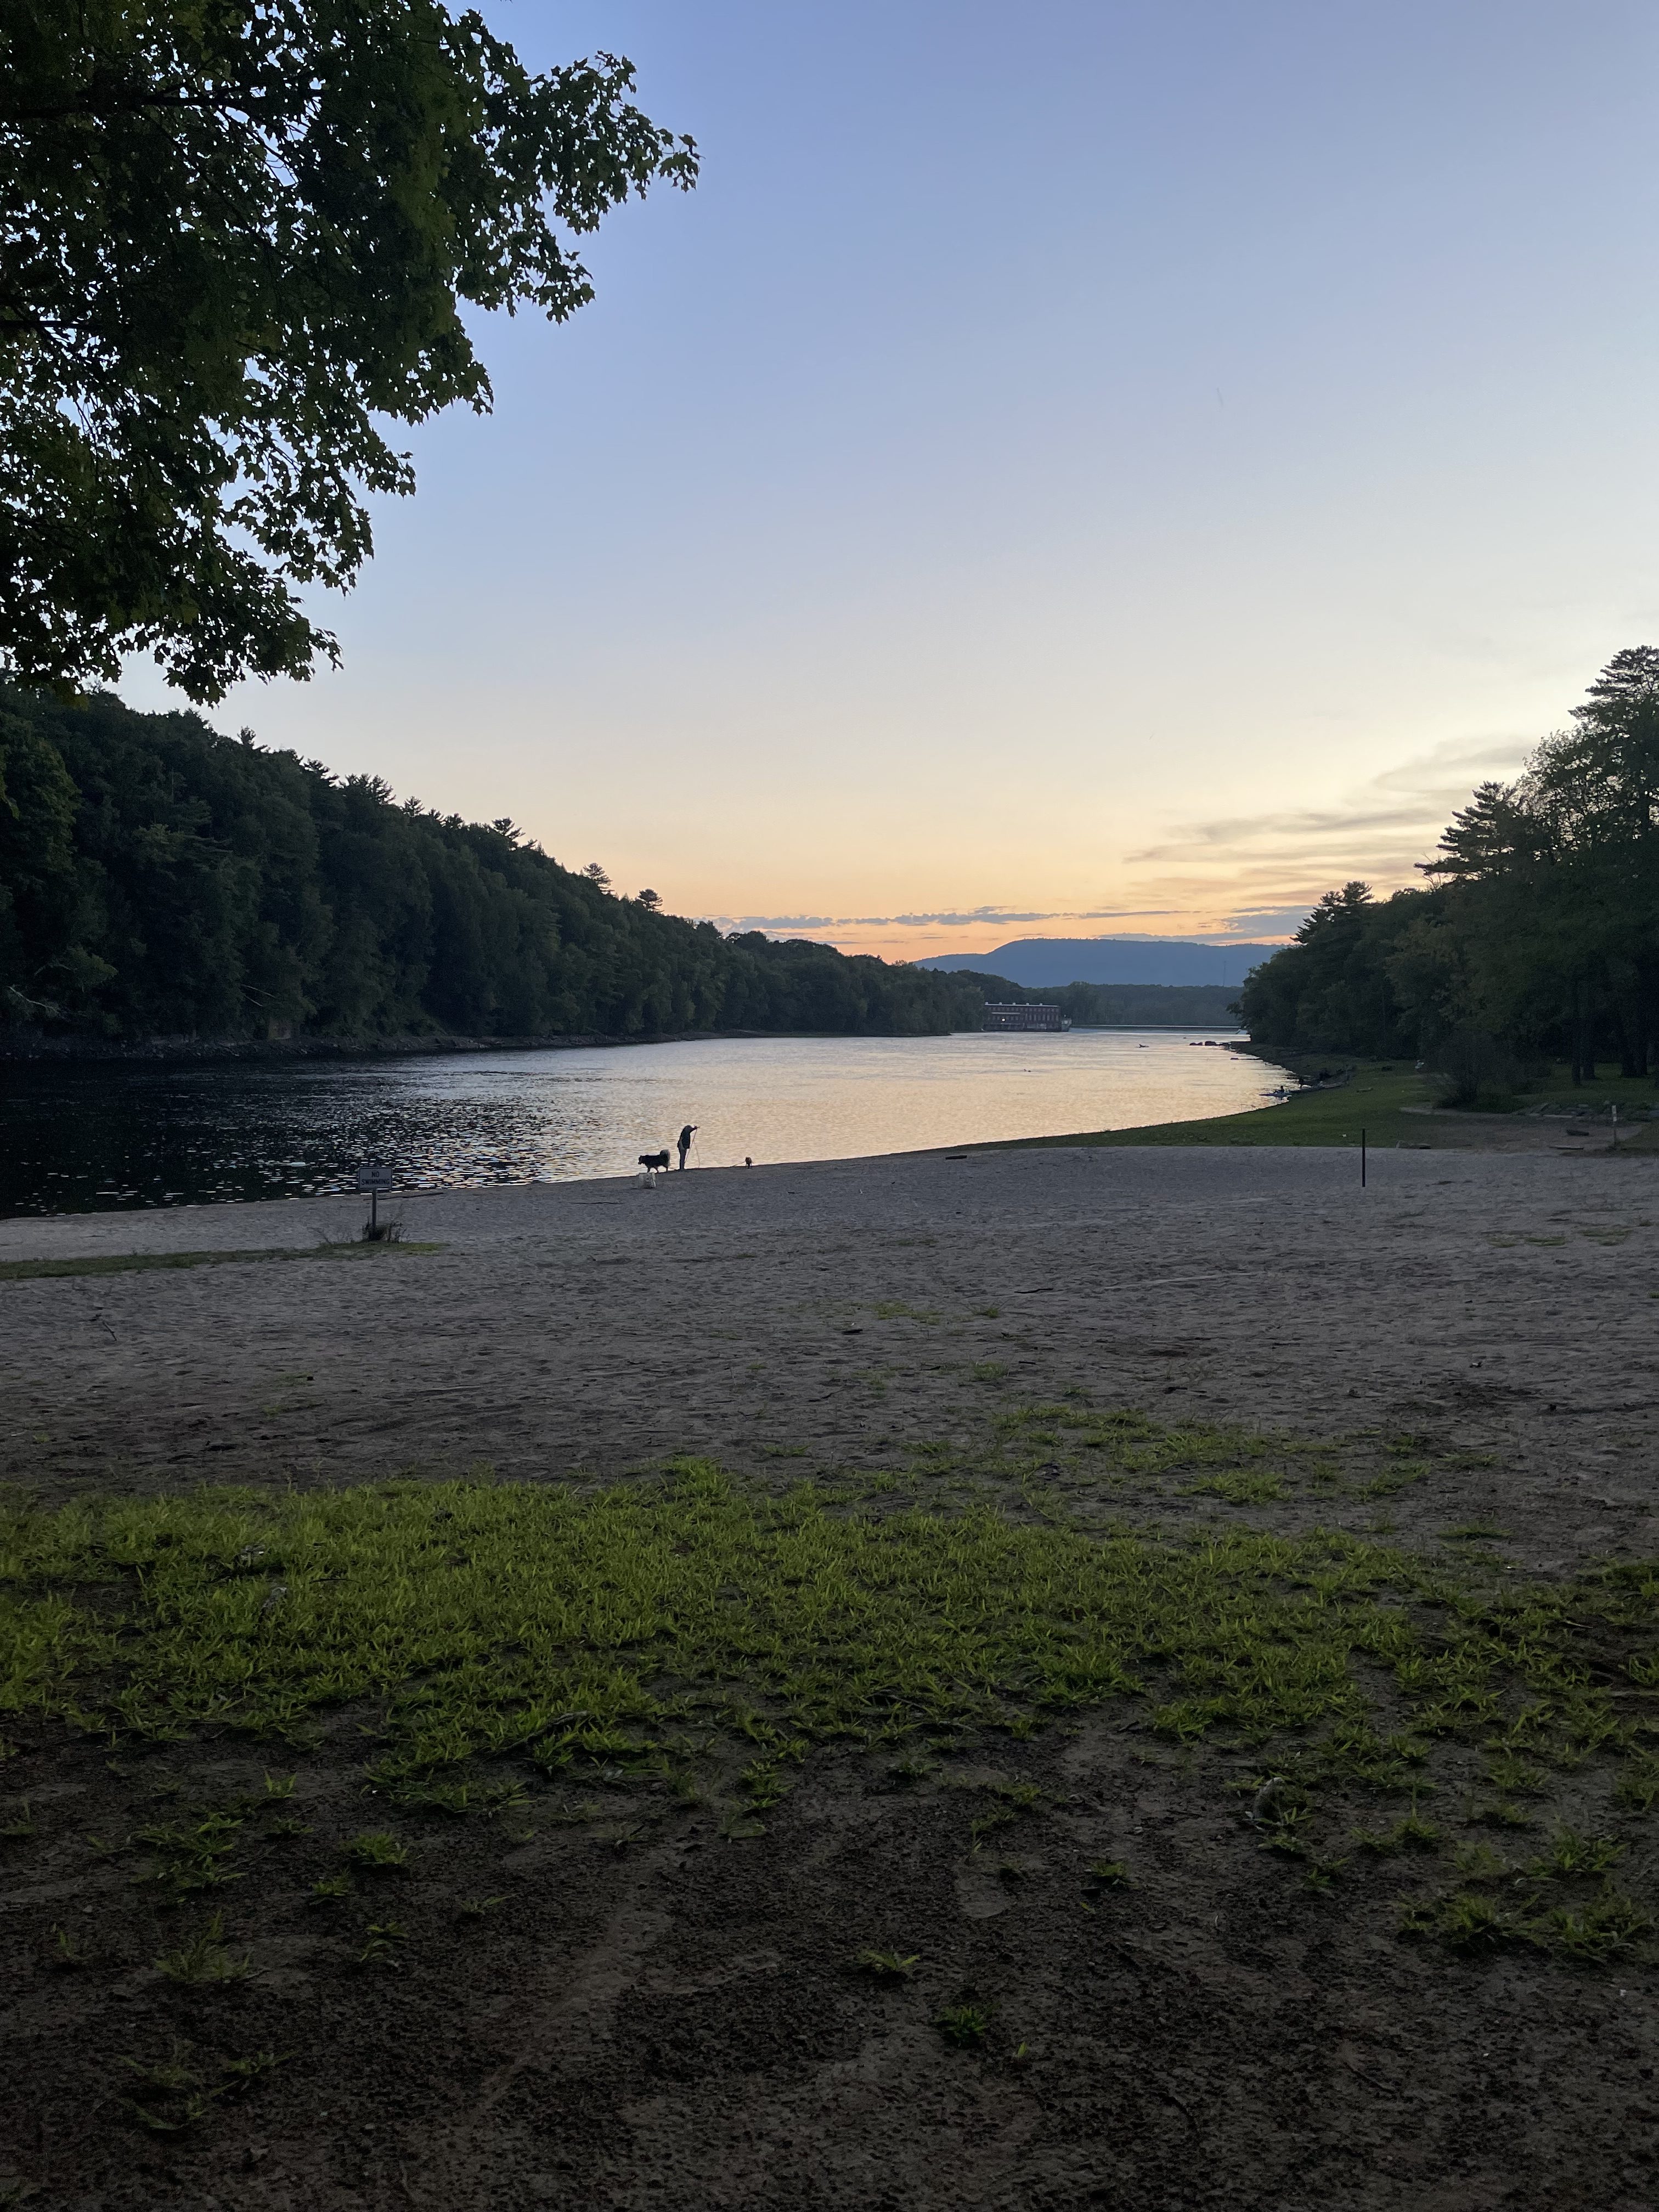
(1541, 932)
(235, 243)
(158, 878)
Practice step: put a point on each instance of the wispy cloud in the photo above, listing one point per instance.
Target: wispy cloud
(1390, 822)
(979, 917)
(1235, 878)
(1268, 920)
(791, 921)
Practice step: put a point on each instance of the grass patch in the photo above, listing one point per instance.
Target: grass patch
(380, 1941)
(966, 2025)
(1377, 1098)
(1572, 1857)
(172, 2094)
(1373, 1100)
(495, 1617)
(376, 1851)
(886, 1966)
(1607, 1926)
(1037, 1444)
(1240, 1489)
(1110, 1874)
(1393, 1480)
(649, 1633)
(126, 1263)
(205, 1958)
(1637, 1788)
(1413, 1833)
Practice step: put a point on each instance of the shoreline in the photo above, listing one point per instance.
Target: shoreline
(187, 1051)
(29, 1048)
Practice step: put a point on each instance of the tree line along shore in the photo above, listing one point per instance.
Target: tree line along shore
(160, 880)
(1534, 939)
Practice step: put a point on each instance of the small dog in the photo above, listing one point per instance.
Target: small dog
(654, 1159)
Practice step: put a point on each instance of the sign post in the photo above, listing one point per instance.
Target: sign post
(373, 1179)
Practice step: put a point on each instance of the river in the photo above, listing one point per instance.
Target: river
(76, 1138)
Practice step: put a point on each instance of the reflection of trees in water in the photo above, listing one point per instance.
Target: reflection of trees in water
(114, 1139)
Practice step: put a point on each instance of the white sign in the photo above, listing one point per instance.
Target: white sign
(374, 1178)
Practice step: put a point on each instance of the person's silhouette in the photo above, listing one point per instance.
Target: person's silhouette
(686, 1135)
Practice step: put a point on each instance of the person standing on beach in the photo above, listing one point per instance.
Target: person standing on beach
(686, 1135)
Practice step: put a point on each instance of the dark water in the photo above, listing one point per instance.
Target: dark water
(84, 1139)
(93, 1138)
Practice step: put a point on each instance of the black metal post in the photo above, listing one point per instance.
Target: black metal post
(1362, 1158)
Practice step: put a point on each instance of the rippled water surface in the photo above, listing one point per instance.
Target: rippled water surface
(86, 1138)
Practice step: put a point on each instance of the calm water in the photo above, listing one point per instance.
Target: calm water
(76, 1139)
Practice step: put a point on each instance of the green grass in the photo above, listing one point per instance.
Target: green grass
(1373, 1100)
(1250, 1489)
(380, 1940)
(1036, 1445)
(174, 2094)
(205, 1958)
(377, 1851)
(966, 2025)
(1609, 1088)
(694, 1625)
(1595, 1930)
(123, 1263)
(1110, 1874)
(886, 1966)
(495, 1618)
(1573, 1858)
(1412, 1833)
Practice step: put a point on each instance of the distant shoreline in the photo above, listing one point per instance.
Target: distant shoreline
(16, 1048)
(24, 1047)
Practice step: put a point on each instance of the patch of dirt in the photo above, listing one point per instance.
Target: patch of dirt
(677, 2021)
(1457, 1129)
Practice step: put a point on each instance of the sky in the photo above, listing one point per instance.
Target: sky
(1100, 467)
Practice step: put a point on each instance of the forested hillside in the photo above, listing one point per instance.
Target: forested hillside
(1540, 936)
(158, 878)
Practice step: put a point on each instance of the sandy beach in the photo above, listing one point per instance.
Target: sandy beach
(1506, 1305)
(655, 2002)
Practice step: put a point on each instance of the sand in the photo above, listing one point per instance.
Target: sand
(654, 2014)
(1507, 1305)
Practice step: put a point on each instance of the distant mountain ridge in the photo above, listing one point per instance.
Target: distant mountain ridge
(1046, 963)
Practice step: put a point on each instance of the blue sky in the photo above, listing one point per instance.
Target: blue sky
(1122, 466)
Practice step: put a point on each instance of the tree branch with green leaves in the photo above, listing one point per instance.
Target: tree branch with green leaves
(236, 241)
